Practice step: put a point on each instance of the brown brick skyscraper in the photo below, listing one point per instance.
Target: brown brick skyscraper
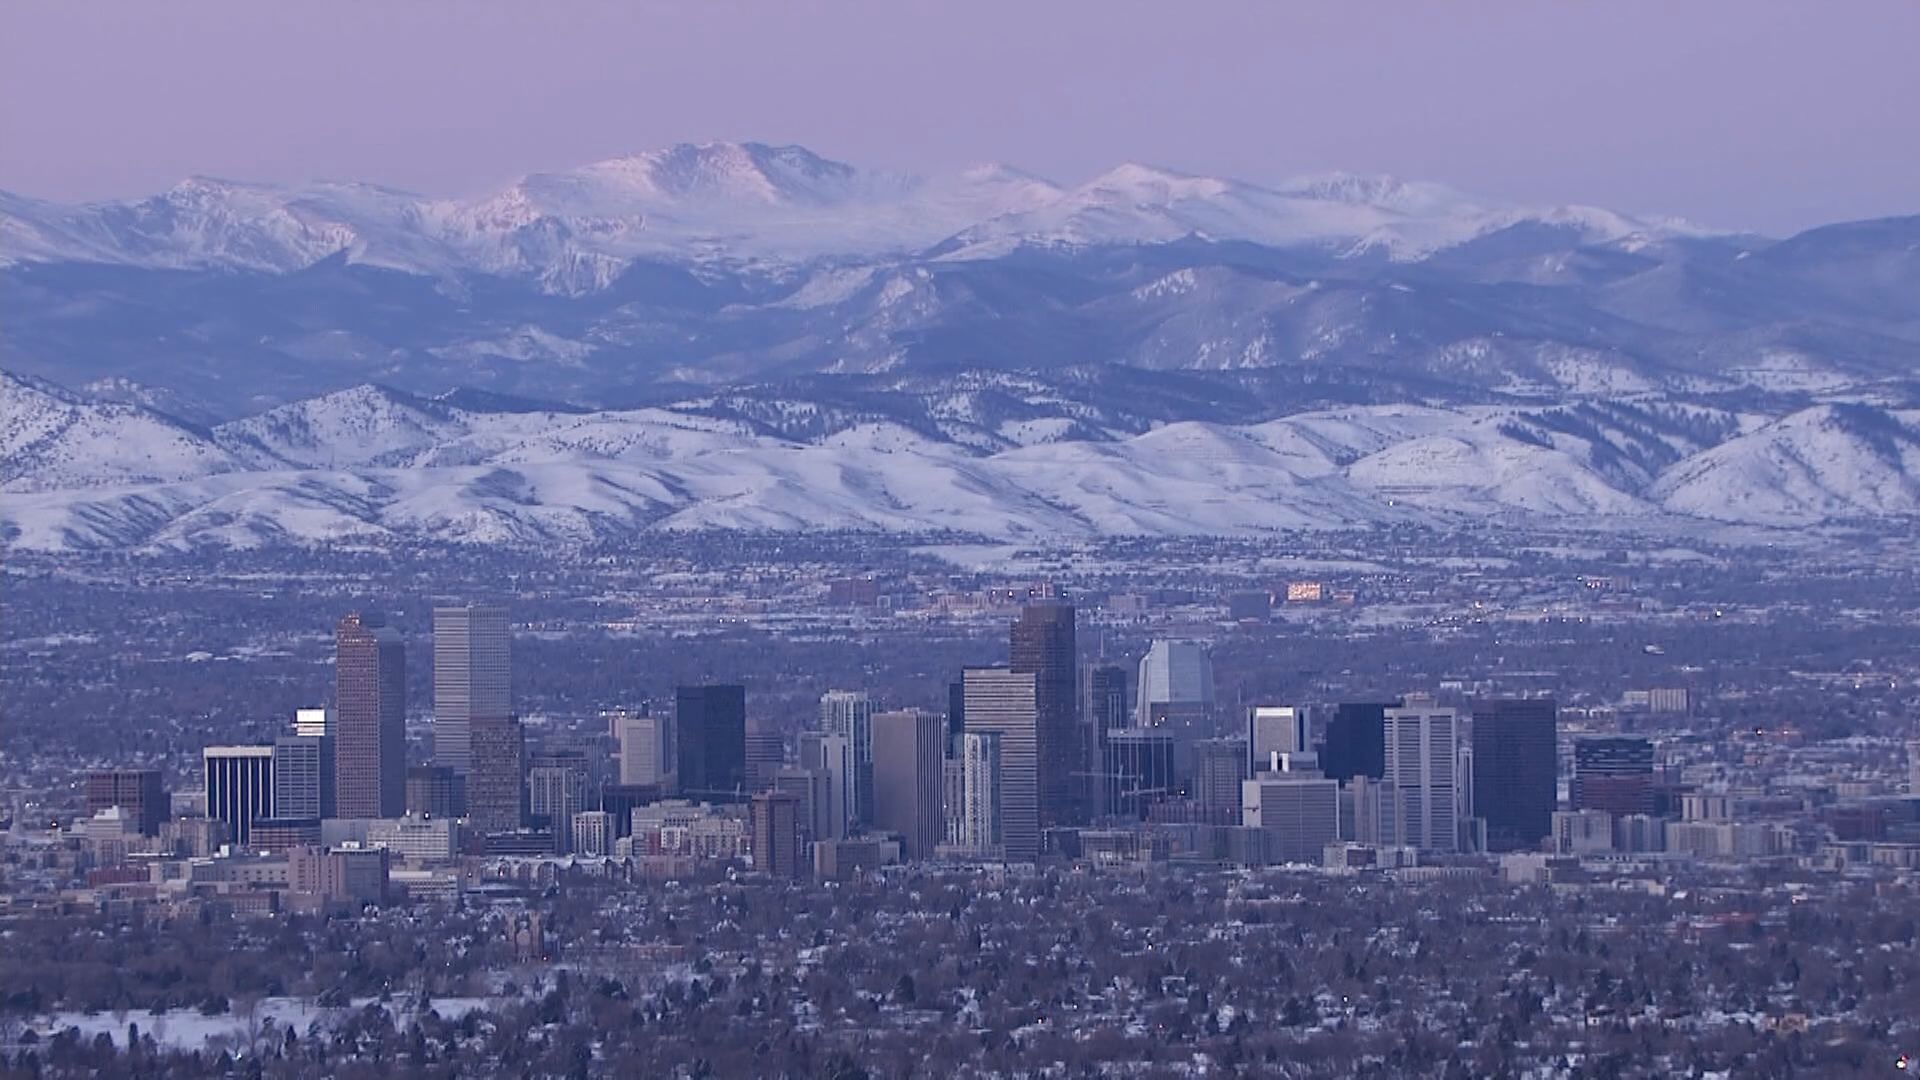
(370, 718)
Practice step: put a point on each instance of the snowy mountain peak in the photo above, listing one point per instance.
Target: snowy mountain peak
(1148, 184)
(749, 172)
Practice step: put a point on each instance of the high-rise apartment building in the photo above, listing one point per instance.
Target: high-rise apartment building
(849, 713)
(710, 732)
(1042, 644)
(1422, 744)
(907, 772)
(776, 834)
(1613, 773)
(471, 678)
(1356, 742)
(1515, 771)
(1004, 703)
(370, 719)
(141, 795)
(239, 786)
(831, 756)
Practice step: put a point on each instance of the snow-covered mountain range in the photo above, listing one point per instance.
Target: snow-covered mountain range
(752, 336)
(741, 202)
(370, 465)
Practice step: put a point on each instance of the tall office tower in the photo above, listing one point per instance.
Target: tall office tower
(1138, 772)
(1042, 645)
(766, 752)
(980, 816)
(434, 791)
(832, 757)
(1176, 688)
(1516, 765)
(1004, 703)
(647, 753)
(472, 678)
(814, 790)
(1422, 750)
(1107, 707)
(1299, 811)
(302, 777)
(1613, 773)
(956, 715)
(710, 730)
(907, 774)
(849, 713)
(1219, 769)
(239, 787)
(141, 795)
(1273, 730)
(557, 790)
(496, 783)
(1356, 742)
(776, 834)
(370, 719)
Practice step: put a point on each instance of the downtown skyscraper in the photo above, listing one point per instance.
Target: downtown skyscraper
(370, 718)
(1042, 645)
(710, 736)
(1005, 704)
(1422, 757)
(471, 678)
(1516, 766)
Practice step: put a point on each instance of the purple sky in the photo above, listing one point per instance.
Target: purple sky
(1736, 113)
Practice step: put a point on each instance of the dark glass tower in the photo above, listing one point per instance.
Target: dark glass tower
(710, 727)
(1515, 770)
(1356, 742)
(1043, 646)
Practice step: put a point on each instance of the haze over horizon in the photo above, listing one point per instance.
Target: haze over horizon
(1768, 117)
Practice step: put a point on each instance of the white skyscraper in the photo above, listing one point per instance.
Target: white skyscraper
(1423, 750)
(646, 747)
(1176, 685)
(1274, 731)
(850, 713)
(980, 791)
